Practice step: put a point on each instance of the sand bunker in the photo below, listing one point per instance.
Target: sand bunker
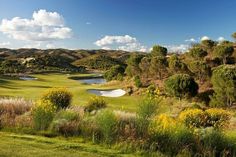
(27, 78)
(108, 93)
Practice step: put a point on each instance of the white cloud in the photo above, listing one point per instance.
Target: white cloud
(108, 40)
(33, 45)
(88, 23)
(178, 48)
(44, 26)
(220, 39)
(50, 46)
(205, 38)
(190, 40)
(5, 44)
(106, 48)
(126, 43)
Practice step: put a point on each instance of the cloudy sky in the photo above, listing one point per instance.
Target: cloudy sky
(133, 25)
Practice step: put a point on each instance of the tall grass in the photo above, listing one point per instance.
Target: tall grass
(14, 106)
(11, 109)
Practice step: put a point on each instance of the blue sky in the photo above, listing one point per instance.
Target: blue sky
(114, 24)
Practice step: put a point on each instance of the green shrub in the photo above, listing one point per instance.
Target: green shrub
(215, 143)
(114, 73)
(224, 86)
(89, 129)
(126, 125)
(66, 122)
(137, 82)
(43, 113)
(146, 109)
(60, 97)
(95, 103)
(106, 121)
(181, 85)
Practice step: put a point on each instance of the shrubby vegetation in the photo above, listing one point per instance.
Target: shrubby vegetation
(43, 113)
(191, 131)
(59, 97)
(115, 73)
(95, 103)
(224, 85)
(181, 85)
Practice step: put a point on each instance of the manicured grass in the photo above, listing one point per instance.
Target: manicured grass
(34, 88)
(16, 145)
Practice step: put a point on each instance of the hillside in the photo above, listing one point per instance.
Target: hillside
(37, 60)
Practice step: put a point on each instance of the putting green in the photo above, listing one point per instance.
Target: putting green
(32, 89)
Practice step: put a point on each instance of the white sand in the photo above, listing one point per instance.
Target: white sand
(28, 78)
(108, 93)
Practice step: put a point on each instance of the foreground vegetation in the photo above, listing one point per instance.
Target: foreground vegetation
(194, 130)
(20, 145)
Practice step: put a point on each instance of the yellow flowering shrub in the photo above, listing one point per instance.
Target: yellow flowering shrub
(60, 97)
(95, 103)
(213, 117)
(218, 118)
(43, 113)
(193, 117)
(162, 124)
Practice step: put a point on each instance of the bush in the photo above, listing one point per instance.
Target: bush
(114, 73)
(89, 129)
(59, 97)
(224, 86)
(126, 125)
(66, 122)
(137, 82)
(146, 109)
(215, 143)
(193, 118)
(217, 118)
(169, 136)
(106, 121)
(43, 113)
(95, 103)
(181, 85)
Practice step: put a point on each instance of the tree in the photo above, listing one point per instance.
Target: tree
(114, 72)
(181, 85)
(158, 50)
(208, 44)
(197, 53)
(234, 36)
(11, 66)
(223, 51)
(137, 82)
(133, 65)
(158, 66)
(144, 66)
(224, 86)
(200, 69)
(176, 65)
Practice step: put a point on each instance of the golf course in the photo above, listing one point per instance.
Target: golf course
(32, 89)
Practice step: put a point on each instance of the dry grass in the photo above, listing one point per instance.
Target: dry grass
(14, 106)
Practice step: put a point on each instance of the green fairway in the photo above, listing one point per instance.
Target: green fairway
(15, 145)
(32, 89)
